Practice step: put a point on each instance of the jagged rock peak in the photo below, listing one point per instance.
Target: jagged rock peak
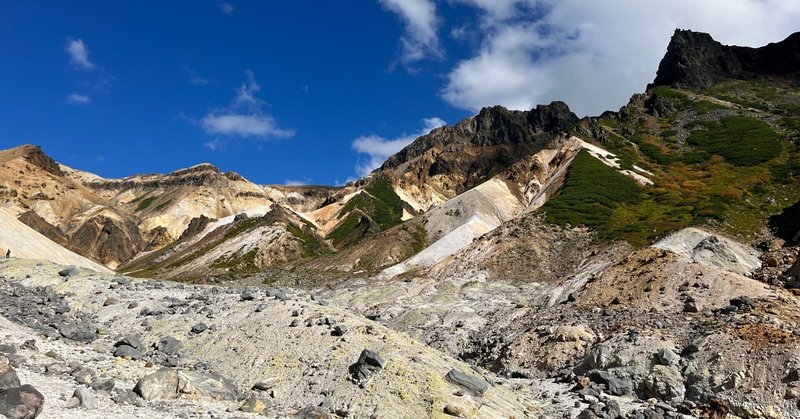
(35, 155)
(492, 126)
(694, 60)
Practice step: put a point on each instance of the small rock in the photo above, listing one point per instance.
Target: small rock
(267, 384)
(474, 384)
(199, 328)
(127, 352)
(85, 397)
(667, 357)
(168, 345)
(454, 410)
(339, 330)
(68, 271)
(256, 405)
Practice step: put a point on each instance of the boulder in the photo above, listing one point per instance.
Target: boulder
(600, 357)
(69, 271)
(256, 405)
(131, 340)
(8, 378)
(23, 402)
(476, 385)
(85, 398)
(368, 363)
(311, 413)
(170, 384)
(267, 384)
(199, 328)
(666, 356)
(127, 352)
(665, 382)
(168, 345)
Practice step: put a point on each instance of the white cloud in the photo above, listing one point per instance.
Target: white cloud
(420, 39)
(227, 8)
(78, 99)
(79, 54)
(244, 117)
(594, 55)
(244, 126)
(378, 148)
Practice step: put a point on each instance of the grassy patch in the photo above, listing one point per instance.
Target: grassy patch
(163, 205)
(312, 245)
(741, 140)
(705, 106)
(144, 203)
(344, 232)
(240, 264)
(591, 193)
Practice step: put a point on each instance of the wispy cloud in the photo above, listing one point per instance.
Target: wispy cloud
(215, 145)
(78, 99)
(227, 8)
(377, 149)
(420, 39)
(79, 54)
(194, 78)
(244, 117)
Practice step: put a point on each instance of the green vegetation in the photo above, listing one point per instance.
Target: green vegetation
(379, 202)
(591, 192)
(238, 264)
(312, 245)
(163, 205)
(143, 204)
(345, 232)
(742, 140)
(667, 92)
(705, 106)
(388, 207)
(731, 174)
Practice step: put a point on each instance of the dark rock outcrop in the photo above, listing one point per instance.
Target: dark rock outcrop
(694, 60)
(197, 225)
(108, 240)
(35, 155)
(34, 221)
(467, 153)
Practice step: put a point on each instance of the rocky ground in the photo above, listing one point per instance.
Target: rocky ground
(132, 348)
(682, 330)
(679, 330)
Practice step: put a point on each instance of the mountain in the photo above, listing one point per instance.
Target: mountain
(694, 60)
(639, 264)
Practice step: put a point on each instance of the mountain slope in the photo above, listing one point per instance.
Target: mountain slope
(24, 242)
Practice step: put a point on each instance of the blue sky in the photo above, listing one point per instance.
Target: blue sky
(318, 91)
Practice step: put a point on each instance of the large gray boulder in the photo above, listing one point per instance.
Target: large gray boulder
(170, 384)
(23, 402)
